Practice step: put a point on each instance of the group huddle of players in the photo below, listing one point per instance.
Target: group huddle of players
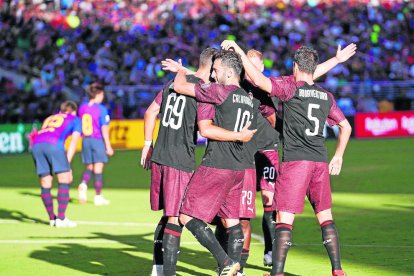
(243, 114)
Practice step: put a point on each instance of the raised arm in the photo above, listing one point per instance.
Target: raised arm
(173, 66)
(345, 132)
(213, 132)
(342, 55)
(181, 85)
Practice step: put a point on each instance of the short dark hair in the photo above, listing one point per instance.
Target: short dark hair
(230, 59)
(206, 56)
(307, 59)
(68, 107)
(94, 89)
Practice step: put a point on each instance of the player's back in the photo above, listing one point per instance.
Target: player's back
(56, 128)
(177, 135)
(93, 116)
(304, 116)
(232, 114)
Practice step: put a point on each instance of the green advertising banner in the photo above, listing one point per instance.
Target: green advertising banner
(14, 137)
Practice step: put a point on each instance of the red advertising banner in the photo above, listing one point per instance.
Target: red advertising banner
(392, 124)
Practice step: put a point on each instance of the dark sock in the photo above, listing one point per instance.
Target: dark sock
(205, 236)
(48, 202)
(268, 226)
(158, 239)
(330, 240)
(281, 245)
(222, 236)
(235, 242)
(87, 174)
(244, 257)
(171, 248)
(98, 183)
(63, 199)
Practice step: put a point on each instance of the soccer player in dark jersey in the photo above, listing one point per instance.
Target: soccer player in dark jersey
(172, 161)
(50, 158)
(222, 168)
(266, 157)
(304, 170)
(96, 145)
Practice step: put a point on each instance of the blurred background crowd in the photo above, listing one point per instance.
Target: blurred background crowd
(51, 50)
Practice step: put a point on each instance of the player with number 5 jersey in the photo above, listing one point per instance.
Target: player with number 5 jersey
(96, 145)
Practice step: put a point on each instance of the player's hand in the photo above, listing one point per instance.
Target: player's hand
(109, 151)
(246, 134)
(171, 65)
(231, 45)
(335, 165)
(146, 157)
(344, 54)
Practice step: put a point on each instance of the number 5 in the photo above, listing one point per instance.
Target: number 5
(310, 117)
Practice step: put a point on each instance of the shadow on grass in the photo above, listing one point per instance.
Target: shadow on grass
(19, 216)
(118, 261)
(71, 200)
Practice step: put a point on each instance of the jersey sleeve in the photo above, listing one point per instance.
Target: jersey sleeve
(158, 98)
(205, 111)
(211, 92)
(104, 118)
(283, 87)
(77, 125)
(335, 115)
(267, 110)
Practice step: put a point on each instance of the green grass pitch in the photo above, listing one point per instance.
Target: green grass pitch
(373, 205)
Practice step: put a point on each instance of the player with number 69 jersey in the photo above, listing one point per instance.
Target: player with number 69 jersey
(96, 145)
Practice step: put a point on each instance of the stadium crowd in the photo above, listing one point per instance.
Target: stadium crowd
(123, 42)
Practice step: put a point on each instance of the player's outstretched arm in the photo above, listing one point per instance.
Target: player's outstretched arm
(342, 55)
(173, 66)
(72, 146)
(345, 132)
(150, 119)
(105, 135)
(257, 77)
(213, 132)
(181, 85)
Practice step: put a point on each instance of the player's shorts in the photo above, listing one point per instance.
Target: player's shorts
(248, 195)
(49, 159)
(267, 169)
(93, 151)
(212, 192)
(298, 179)
(167, 188)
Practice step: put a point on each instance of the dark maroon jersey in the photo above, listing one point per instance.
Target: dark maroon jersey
(305, 109)
(266, 137)
(177, 134)
(233, 109)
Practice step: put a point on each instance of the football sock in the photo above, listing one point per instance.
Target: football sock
(63, 199)
(330, 240)
(244, 257)
(268, 226)
(98, 183)
(205, 236)
(235, 242)
(48, 202)
(281, 245)
(221, 236)
(158, 239)
(87, 174)
(171, 248)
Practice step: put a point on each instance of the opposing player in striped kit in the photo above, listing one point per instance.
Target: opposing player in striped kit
(50, 159)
